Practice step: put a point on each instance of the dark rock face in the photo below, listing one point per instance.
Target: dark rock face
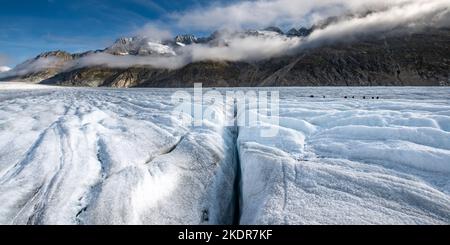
(274, 29)
(302, 32)
(410, 59)
(91, 77)
(417, 59)
(293, 33)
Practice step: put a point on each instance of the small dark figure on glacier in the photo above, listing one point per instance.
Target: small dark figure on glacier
(205, 215)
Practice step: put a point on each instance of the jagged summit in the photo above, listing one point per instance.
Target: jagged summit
(292, 32)
(186, 39)
(56, 53)
(302, 32)
(142, 46)
(274, 29)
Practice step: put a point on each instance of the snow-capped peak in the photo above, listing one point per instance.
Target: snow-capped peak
(186, 39)
(139, 46)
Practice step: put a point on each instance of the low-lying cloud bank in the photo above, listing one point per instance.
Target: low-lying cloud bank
(4, 69)
(412, 16)
(286, 13)
(109, 60)
(34, 66)
(236, 49)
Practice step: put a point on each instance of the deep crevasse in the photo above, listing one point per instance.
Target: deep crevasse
(79, 156)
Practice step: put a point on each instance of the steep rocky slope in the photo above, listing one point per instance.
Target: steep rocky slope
(39, 68)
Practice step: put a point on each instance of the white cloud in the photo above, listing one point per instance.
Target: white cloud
(33, 65)
(262, 13)
(109, 60)
(245, 48)
(411, 16)
(4, 69)
(154, 32)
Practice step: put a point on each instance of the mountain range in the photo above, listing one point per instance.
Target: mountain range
(394, 57)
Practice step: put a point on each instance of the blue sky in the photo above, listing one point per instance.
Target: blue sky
(29, 27)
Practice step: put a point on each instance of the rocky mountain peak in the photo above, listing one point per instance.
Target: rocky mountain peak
(292, 32)
(186, 39)
(274, 29)
(58, 54)
(123, 40)
(141, 46)
(304, 32)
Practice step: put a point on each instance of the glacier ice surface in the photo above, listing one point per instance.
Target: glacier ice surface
(119, 156)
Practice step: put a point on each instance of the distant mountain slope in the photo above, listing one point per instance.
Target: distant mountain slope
(39, 68)
(407, 59)
(396, 56)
